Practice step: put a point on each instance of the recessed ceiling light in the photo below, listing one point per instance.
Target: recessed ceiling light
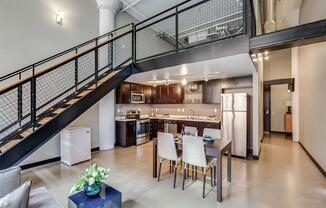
(184, 82)
(266, 52)
(266, 57)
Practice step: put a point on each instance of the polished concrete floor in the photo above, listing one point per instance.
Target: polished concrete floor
(283, 177)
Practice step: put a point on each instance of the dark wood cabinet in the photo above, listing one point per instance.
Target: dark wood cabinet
(156, 125)
(148, 94)
(136, 87)
(202, 125)
(125, 133)
(176, 94)
(212, 92)
(171, 94)
(237, 82)
(122, 93)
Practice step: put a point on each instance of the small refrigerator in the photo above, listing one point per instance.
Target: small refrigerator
(75, 143)
(235, 115)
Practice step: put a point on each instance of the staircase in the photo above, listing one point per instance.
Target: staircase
(40, 100)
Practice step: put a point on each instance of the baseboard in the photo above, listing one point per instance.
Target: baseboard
(51, 160)
(39, 163)
(313, 160)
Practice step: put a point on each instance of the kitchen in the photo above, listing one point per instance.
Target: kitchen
(144, 109)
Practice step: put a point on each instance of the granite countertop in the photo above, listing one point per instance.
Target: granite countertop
(174, 118)
(187, 118)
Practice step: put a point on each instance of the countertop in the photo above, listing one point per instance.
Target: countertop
(174, 118)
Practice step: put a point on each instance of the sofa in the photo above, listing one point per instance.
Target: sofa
(10, 179)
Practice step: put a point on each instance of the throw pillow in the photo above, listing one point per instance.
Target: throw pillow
(17, 198)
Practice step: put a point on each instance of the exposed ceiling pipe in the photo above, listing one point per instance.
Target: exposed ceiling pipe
(131, 5)
(270, 24)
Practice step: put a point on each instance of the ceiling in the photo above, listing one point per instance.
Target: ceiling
(231, 66)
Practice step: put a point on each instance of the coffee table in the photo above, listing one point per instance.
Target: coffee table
(108, 197)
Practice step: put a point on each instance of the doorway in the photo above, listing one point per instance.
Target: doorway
(277, 106)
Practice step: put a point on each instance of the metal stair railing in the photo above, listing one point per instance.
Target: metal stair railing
(35, 90)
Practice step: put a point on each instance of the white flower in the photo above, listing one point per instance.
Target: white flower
(91, 181)
(94, 174)
(108, 170)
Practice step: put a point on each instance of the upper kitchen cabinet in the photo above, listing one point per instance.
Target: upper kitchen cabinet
(136, 87)
(237, 82)
(176, 94)
(212, 92)
(122, 93)
(148, 94)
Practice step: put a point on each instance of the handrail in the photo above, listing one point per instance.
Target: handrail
(17, 72)
(158, 14)
(23, 81)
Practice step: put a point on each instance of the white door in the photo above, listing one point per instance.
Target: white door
(240, 101)
(227, 125)
(239, 142)
(227, 100)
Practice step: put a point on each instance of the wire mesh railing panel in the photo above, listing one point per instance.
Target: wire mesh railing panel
(213, 20)
(54, 86)
(122, 50)
(86, 68)
(104, 58)
(156, 39)
(9, 112)
(25, 103)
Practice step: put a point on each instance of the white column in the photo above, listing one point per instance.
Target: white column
(295, 94)
(107, 12)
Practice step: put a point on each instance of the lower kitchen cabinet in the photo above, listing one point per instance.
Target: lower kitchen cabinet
(125, 133)
(158, 125)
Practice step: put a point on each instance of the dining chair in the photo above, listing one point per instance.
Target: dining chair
(193, 153)
(190, 130)
(212, 133)
(167, 151)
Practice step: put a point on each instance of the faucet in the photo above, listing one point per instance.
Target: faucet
(193, 112)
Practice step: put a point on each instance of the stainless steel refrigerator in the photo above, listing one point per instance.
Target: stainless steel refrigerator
(235, 115)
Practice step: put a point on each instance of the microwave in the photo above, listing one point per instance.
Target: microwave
(137, 97)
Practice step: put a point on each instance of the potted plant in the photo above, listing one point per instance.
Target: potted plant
(90, 180)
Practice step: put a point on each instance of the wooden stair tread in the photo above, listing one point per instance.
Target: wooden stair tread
(73, 101)
(45, 120)
(27, 133)
(9, 145)
(82, 94)
(59, 110)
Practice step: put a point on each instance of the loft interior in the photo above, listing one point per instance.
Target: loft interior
(169, 103)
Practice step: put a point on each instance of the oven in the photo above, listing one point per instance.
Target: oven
(137, 97)
(142, 131)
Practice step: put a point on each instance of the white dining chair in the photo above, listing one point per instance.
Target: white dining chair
(193, 153)
(168, 151)
(190, 130)
(212, 133)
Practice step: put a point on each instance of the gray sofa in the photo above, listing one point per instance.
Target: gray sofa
(10, 179)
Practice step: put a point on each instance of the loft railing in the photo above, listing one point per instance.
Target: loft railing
(190, 24)
(37, 89)
(32, 92)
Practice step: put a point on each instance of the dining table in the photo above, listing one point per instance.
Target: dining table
(216, 148)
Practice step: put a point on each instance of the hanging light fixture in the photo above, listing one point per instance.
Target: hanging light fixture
(59, 17)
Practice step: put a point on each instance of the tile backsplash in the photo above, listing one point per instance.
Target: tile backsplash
(172, 109)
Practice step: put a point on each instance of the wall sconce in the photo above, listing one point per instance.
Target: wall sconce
(60, 16)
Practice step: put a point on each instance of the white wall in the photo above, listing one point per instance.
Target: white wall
(28, 33)
(312, 76)
(278, 66)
